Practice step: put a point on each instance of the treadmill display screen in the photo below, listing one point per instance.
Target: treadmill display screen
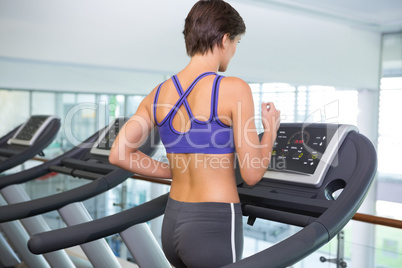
(300, 149)
(107, 141)
(30, 128)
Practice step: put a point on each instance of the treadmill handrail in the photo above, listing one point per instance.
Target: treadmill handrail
(87, 165)
(96, 229)
(307, 206)
(40, 170)
(48, 135)
(8, 152)
(49, 203)
(277, 215)
(321, 231)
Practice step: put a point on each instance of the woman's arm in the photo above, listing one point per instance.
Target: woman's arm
(253, 155)
(125, 153)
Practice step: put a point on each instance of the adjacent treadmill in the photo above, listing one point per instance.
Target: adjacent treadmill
(89, 160)
(27, 140)
(319, 176)
(16, 147)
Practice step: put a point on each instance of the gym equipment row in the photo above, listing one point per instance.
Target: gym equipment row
(88, 160)
(318, 178)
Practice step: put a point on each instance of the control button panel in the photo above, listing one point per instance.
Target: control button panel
(31, 130)
(107, 137)
(302, 153)
(299, 150)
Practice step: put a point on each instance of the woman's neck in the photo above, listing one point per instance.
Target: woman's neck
(208, 62)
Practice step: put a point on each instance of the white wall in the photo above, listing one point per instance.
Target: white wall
(129, 46)
(392, 54)
(39, 75)
(292, 47)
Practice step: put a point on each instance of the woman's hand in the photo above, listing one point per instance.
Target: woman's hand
(271, 118)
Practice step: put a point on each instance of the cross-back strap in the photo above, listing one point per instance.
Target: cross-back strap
(181, 92)
(182, 97)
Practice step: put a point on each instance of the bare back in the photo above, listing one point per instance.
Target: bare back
(198, 177)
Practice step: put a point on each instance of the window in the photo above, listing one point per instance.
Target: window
(313, 104)
(11, 114)
(390, 129)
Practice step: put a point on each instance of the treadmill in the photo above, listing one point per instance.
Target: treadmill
(89, 160)
(318, 178)
(27, 140)
(19, 145)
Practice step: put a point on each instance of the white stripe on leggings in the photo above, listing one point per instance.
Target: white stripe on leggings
(233, 233)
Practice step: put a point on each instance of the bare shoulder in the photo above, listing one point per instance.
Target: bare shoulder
(147, 103)
(234, 82)
(235, 88)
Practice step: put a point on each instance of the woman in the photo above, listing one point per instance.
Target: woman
(203, 119)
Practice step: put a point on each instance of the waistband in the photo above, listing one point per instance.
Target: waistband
(203, 206)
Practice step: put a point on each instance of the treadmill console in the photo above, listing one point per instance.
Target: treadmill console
(103, 145)
(31, 130)
(302, 153)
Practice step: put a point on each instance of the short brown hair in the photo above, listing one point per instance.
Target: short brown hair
(206, 24)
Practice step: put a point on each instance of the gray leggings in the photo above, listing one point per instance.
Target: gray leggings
(207, 234)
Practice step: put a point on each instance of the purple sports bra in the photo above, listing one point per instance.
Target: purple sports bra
(208, 137)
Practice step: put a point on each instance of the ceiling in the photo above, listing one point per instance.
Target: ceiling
(377, 15)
